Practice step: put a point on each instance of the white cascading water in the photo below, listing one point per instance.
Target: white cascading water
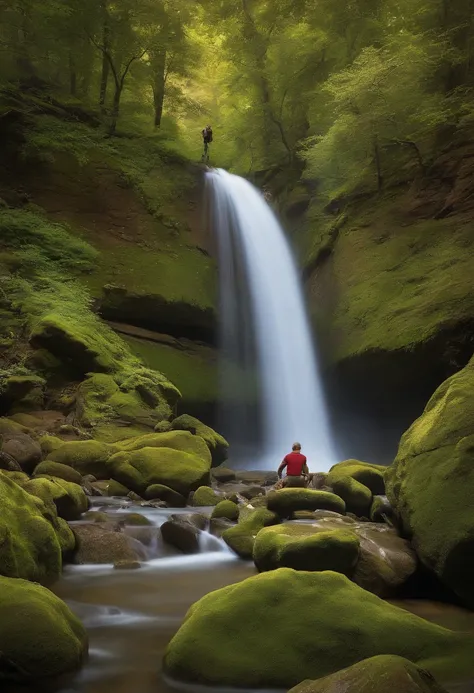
(262, 309)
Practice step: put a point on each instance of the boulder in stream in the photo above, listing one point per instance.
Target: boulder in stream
(69, 499)
(166, 494)
(40, 638)
(97, 544)
(183, 532)
(375, 675)
(226, 509)
(241, 537)
(275, 629)
(288, 500)
(204, 496)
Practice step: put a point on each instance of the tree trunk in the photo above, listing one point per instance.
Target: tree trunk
(159, 68)
(115, 108)
(104, 79)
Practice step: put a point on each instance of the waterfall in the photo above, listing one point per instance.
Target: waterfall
(265, 331)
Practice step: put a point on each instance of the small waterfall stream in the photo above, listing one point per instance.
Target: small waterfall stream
(264, 324)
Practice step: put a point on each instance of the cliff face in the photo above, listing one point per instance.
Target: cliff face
(131, 206)
(389, 281)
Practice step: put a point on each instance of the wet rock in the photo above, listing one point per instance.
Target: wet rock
(181, 534)
(96, 544)
(241, 537)
(196, 519)
(96, 516)
(7, 463)
(318, 480)
(154, 504)
(136, 520)
(110, 488)
(166, 494)
(381, 509)
(218, 525)
(223, 474)
(375, 675)
(134, 497)
(127, 565)
(23, 449)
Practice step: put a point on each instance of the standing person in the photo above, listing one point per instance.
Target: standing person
(207, 138)
(296, 468)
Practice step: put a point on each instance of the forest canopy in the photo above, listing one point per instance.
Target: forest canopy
(357, 92)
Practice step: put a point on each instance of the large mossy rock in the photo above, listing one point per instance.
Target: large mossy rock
(40, 638)
(140, 397)
(138, 470)
(85, 456)
(370, 475)
(165, 494)
(29, 544)
(275, 629)
(176, 440)
(289, 500)
(204, 497)
(431, 482)
(69, 499)
(301, 548)
(226, 509)
(60, 471)
(241, 538)
(379, 674)
(216, 443)
(356, 496)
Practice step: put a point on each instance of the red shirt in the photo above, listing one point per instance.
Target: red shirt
(295, 462)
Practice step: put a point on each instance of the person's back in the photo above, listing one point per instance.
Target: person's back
(296, 468)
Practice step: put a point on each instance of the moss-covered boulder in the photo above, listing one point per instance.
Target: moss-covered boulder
(166, 494)
(69, 499)
(216, 443)
(86, 456)
(381, 509)
(110, 487)
(20, 393)
(40, 638)
(100, 545)
(289, 500)
(430, 483)
(370, 475)
(375, 675)
(356, 496)
(275, 629)
(184, 535)
(61, 471)
(176, 440)
(29, 545)
(181, 471)
(226, 509)
(137, 396)
(204, 496)
(241, 538)
(300, 547)
(223, 475)
(49, 443)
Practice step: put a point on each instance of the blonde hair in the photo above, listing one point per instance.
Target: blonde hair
(296, 446)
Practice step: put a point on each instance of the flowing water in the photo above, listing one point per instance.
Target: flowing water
(131, 615)
(264, 323)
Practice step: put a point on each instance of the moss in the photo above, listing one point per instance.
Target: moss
(289, 500)
(23, 392)
(86, 456)
(9, 427)
(177, 440)
(226, 509)
(356, 496)
(62, 471)
(430, 483)
(18, 477)
(375, 675)
(49, 443)
(69, 498)
(419, 278)
(275, 629)
(380, 509)
(216, 443)
(29, 547)
(139, 469)
(95, 516)
(241, 538)
(204, 496)
(166, 494)
(370, 475)
(40, 638)
(303, 547)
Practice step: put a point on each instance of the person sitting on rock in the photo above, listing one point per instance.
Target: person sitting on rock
(296, 468)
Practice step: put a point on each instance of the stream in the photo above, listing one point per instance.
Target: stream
(131, 615)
